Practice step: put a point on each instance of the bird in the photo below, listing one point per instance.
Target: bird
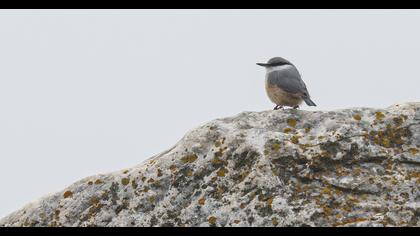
(284, 85)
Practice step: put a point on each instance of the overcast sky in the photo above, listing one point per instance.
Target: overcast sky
(84, 92)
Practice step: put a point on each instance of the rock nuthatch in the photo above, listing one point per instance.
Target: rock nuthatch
(284, 85)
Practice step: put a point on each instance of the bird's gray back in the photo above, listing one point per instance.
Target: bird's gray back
(287, 79)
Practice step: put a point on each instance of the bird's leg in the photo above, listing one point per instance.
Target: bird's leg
(296, 107)
(278, 107)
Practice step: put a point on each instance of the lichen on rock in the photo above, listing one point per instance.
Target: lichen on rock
(349, 167)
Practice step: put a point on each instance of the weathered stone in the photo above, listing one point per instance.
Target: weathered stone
(351, 167)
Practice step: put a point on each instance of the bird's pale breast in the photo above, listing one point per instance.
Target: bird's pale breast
(281, 97)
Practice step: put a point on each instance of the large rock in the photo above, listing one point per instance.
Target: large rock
(352, 167)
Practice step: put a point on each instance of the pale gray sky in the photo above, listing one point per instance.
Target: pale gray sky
(84, 92)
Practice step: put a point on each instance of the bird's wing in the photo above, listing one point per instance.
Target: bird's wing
(289, 81)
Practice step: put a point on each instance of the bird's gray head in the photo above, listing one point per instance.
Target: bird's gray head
(274, 62)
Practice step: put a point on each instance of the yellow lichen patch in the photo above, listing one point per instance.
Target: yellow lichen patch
(242, 206)
(236, 221)
(125, 172)
(291, 122)
(201, 201)
(275, 147)
(90, 183)
(398, 121)
(287, 130)
(220, 152)
(94, 200)
(413, 151)
(327, 191)
(133, 184)
(357, 117)
(152, 199)
(221, 172)
(307, 129)
(217, 144)
(189, 173)
(213, 179)
(212, 220)
(67, 194)
(159, 172)
(125, 181)
(216, 161)
(348, 221)
(145, 189)
(189, 158)
(151, 180)
(274, 221)
(295, 139)
(386, 143)
(379, 115)
(98, 181)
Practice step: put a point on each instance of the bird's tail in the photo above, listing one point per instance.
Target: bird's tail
(309, 102)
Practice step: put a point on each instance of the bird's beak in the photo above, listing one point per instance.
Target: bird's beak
(263, 64)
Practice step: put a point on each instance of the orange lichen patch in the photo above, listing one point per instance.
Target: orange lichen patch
(212, 220)
(67, 194)
(146, 189)
(125, 181)
(201, 201)
(274, 221)
(269, 202)
(413, 151)
(152, 162)
(242, 206)
(295, 139)
(151, 180)
(339, 216)
(159, 172)
(98, 181)
(189, 158)
(291, 122)
(236, 221)
(287, 130)
(357, 117)
(379, 115)
(326, 210)
(221, 172)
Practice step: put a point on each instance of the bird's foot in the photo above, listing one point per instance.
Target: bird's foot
(296, 107)
(278, 107)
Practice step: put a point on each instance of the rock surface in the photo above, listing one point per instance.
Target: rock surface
(351, 167)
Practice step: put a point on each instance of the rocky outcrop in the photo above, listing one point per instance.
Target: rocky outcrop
(351, 167)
